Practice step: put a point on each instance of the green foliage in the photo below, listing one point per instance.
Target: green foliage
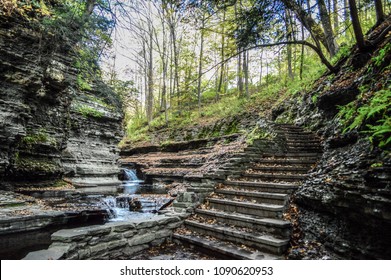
(372, 117)
(87, 112)
(26, 8)
(258, 133)
(99, 101)
(41, 137)
(343, 52)
(314, 98)
(377, 164)
(378, 60)
(36, 165)
(82, 84)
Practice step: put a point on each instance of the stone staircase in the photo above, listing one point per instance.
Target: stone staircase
(243, 217)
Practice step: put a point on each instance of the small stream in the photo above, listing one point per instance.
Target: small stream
(137, 201)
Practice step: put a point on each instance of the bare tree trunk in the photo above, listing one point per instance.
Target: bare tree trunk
(357, 26)
(335, 15)
(346, 15)
(267, 72)
(220, 84)
(289, 36)
(240, 75)
(200, 64)
(150, 79)
(379, 12)
(328, 30)
(261, 71)
(246, 74)
(302, 54)
(309, 23)
(90, 5)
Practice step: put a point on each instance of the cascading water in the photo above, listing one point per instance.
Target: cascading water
(130, 175)
(130, 205)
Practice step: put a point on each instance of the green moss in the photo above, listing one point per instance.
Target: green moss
(377, 164)
(87, 112)
(82, 84)
(383, 52)
(286, 117)
(41, 137)
(100, 101)
(314, 98)
(36, 165)
(258, 133)
(231, 128)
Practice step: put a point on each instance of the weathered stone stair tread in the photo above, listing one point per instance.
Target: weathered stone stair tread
(277, 169)
(260, 206)
(280, 196)
(308, 141)
(165, 173)
(230, 251)
(292, 155)
(278, 223)
(264, 242)
(180, 165)
(260, 185)
(272, 176)
(284, 161)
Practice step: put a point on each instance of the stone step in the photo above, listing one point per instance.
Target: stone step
(289, 128)
(313, 141)
(281, 169)
(285, 161)
(165, 175)
(259, 197)
(224, 250)
(304, 149)
(275, 227)
(302, 144)
(295, 132)
(273, 176)
(265, 210)
(182, 165)
(293, 154)
(262, 242)
(263, 187)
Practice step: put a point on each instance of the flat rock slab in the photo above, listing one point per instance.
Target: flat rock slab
(54, 253)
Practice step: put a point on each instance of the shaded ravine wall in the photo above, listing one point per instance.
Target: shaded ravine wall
(44, 129)
(345, 205)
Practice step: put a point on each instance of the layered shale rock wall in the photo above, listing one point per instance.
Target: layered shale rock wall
(345, 205)
(48, 127)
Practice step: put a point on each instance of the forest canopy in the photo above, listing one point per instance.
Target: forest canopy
(179, 62)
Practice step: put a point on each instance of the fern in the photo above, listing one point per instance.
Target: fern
(377, 109)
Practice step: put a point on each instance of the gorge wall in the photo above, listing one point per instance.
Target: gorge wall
(345, 205)
(48, 127)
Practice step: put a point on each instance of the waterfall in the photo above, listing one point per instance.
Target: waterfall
(130, 175)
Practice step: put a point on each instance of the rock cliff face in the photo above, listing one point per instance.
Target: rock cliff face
(345, 205)
(48, 127)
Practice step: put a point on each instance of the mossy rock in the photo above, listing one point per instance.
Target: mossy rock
(25, 166)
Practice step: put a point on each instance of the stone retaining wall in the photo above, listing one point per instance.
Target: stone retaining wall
(116, 240)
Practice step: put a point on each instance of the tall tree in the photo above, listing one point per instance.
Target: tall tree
(309, 23)
(361, 44)
(201, 57)
(328, 30)
(379, 11)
